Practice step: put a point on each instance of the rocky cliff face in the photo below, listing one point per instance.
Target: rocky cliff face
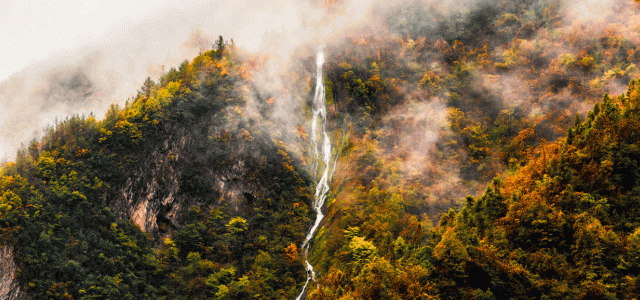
(151, 191)
(157, 195)
(9, 288)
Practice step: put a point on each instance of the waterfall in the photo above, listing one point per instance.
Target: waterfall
(322, 153)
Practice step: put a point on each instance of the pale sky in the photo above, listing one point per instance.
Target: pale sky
(37, 36)
(32, 30)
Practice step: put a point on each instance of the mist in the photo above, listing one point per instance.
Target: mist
(111, 68)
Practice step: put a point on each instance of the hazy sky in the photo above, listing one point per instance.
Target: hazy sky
(33, 30)
(40, 39)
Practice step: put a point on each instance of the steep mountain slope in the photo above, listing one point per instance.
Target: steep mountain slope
(401, 167)
(563, 226)
(180, 168)
(202, 186)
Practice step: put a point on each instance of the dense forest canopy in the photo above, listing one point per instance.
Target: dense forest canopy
(488, 152)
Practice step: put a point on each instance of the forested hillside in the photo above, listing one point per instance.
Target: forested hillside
(476, 157)
(173, 196)
(564, 226)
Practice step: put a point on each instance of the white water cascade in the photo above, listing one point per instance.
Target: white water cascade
(322, 152)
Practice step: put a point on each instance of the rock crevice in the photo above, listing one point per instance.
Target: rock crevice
(9, 287)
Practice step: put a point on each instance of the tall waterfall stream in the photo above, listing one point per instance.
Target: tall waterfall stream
(321, 147)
